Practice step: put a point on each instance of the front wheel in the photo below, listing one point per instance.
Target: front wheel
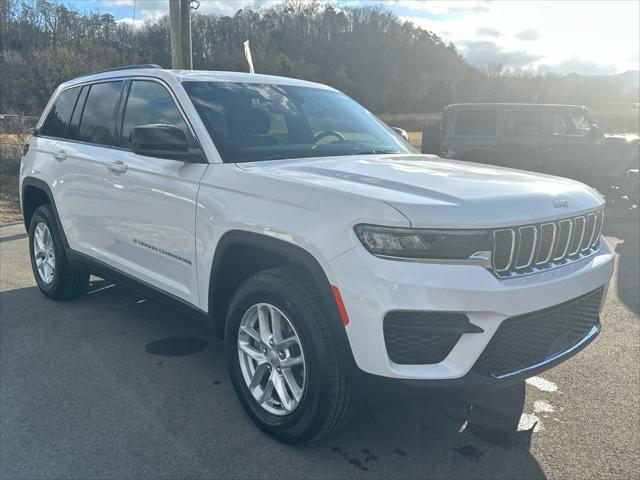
(54, 276)
(283, 361)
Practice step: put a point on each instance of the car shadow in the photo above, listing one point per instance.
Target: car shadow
(627, 230)
(114, 373)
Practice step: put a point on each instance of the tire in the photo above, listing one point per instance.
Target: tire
(61, 282)
(327, 400)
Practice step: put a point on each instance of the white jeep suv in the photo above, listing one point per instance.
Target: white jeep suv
(311, 236)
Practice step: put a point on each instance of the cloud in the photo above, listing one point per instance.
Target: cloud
(576, 65)
(232, 6)
(482, 53)
(488, 32)
(439, 7)
(588, 37)
(528, 35)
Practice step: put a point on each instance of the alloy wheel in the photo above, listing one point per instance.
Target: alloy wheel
(44, 253)
(271, 359)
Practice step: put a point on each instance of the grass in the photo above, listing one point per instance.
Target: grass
(9, 203)
(9, 185)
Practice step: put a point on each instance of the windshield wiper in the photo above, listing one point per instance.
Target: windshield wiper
(374, 151)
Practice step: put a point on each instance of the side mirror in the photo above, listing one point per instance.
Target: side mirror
(402, 132)
(164, 141)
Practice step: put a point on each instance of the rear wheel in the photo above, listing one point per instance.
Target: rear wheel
(54, 276)
(283, 361)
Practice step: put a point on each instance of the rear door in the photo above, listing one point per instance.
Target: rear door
(522, 141)
(82, 186)
(150, 203)
(76, 174)
(475, 136)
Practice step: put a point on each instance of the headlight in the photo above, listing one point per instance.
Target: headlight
(422, 243)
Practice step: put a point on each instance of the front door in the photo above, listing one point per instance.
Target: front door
(150, 205)
(572, 151)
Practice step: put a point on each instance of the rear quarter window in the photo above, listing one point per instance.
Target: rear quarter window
(55, 125)
(476, 122)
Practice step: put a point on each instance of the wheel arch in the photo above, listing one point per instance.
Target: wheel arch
(239, 254)
(35, 192)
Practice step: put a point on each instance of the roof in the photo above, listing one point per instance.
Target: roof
(192, 75)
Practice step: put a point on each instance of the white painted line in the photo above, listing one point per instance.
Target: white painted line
(529, 421)
(542, 406)
(542, 384)
(103, 288)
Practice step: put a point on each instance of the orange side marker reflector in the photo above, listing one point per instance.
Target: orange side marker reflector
(340, 304)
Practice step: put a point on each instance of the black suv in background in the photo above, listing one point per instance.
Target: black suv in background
(561, 140)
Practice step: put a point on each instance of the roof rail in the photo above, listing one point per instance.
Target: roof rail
(125, 67)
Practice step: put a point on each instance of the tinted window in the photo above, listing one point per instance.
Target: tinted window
(476, 122)
(149, 103)
(570, 124)
(56, 123)
(72, 131)
(523, 123)
(96, 125)
(254, 122)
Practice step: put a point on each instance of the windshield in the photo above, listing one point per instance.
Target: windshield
(254, 122)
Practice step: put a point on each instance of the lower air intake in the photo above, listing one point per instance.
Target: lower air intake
(529, 339)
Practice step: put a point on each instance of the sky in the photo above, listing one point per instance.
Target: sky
(587, 37)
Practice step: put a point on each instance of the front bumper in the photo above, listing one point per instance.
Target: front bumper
(371, 287)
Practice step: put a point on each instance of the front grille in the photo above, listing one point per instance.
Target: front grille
(533, 248)
(529, 339)
(419, 338)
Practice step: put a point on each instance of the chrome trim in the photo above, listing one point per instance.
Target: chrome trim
(553, 242)
(486, 258)
(592, 333)
(513, 247)
(479, 258)
(566, 247)
(533, 246)
(600, 222)
(593, 230)
(584, 227)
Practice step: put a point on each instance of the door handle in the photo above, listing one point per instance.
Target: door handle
(117, 167)
(60, 155)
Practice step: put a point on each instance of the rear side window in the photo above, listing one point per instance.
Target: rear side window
(96, 124)
(476, 122)
(149, 103)
(57, 120)
(523, 123)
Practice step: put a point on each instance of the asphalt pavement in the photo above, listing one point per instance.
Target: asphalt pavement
(114, 386)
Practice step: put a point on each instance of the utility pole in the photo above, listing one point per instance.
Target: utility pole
(180, 21)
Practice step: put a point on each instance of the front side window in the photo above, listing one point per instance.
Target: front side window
(57, 119)
(149, 103)
(523, 123)
(255, 122)
(476, 122)
(96, 124)
(570, 124)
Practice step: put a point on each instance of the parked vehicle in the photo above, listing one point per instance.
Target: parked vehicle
(317, 242)
(560, 140)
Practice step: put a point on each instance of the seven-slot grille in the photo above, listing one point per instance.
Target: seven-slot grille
(533, 248)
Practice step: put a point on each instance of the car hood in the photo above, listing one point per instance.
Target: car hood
(622, 139)
(435, 192)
